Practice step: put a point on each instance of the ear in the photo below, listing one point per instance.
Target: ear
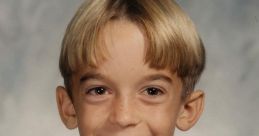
(66, 108)
(190, 111)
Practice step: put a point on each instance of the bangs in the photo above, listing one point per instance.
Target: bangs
(173, 42)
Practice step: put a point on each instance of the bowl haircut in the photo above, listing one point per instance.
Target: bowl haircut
(173, 42)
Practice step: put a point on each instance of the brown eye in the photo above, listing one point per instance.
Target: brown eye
(97, 91)
(153, 91)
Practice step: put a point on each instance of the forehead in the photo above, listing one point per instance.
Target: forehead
(123, 38)
(125, 45)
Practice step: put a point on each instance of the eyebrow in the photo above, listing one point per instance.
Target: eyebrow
(157, 77)
(99, 76)
(91, 76)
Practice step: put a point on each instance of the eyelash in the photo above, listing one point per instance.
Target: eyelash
(151, 91)
(97, 90)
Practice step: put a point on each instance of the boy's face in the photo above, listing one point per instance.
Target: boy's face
(124, 96)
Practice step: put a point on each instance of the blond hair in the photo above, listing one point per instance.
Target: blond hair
(172, 37)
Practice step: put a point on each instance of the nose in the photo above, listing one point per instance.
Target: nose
(124, 113)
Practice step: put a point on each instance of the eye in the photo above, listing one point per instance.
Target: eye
(153, 91)
(97, 91)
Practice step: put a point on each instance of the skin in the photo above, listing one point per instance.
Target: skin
(124, 96)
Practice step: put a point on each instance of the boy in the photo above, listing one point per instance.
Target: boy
(129, 69)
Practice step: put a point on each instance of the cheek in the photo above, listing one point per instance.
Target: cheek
(161, 119)
(91, 118)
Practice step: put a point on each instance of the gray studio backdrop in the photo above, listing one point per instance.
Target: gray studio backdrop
(30, 38)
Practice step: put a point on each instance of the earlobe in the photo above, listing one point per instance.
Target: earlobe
(190, 111)
(66, 108)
